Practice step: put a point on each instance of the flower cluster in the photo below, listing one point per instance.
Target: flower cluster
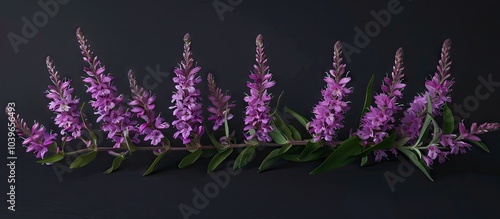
(438, 89)
(453, 144)
(36, 138)
(187, 99)
(257, 112)
(379, 119)
(63, 104)
(143, 105)
(113, 115)
(329, 112)
(221, 106)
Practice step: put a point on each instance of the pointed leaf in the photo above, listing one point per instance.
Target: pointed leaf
(302, 120)
(480, 145)
(368, 96)
(214, 141)
(417, 162)
(51, 159)
(277, 136)
(218, 159)
(311, 147)
(280, 124)
(83, 160)
(384, 144)
(152, 166)
(116, 163)
(244, 157)
(190, 158)
(269, 160)
(341, 156)
(448, 120)
(295, 133)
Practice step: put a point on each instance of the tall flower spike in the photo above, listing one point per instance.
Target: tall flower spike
(257, 112)
(36, 138)
(187, 99)
(329, 112)
(220, 102)
(438, 88)
(107, 104)
(379, 120)
(143, 105)
(63, 104)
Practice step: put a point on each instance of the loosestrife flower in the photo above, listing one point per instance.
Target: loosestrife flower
(329, 111)
(438, 89)
(36, 138)
(143, 107)
(63, 104)
(376, 123)
(453, 144)
(113, 115)
(257, 112)
(187, 99)
(221, 106)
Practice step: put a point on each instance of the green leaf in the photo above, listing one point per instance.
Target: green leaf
(285, 148)
(368, 96)
(417, 162)
(86, 124)
(277, 136)
(341, 156)
(83, 160)
(190, 158)
(214, 141)
(302, 120)
(384, 144)
(311, 147)
(209, 152)
(51, 159)
(426, 123)
(116, 163)
(277, 104)
(244, 157)
(53, 147)
(313, 157)
(448, 120)
(280, 124)
(152, 166)
(480, 145)
(295, 133)
(131, 146)
(218, 158)
(364, 161)
(435, 136)
(269, 160)
(226, 124)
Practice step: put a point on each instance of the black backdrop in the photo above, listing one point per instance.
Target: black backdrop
(146, 36)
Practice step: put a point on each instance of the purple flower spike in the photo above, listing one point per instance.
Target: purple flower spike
(187, 99)
(220, 101)
(376, 123)
(107, 104)
(257, 112)
(36, 138)
(329, 112)
(143, 106)
(64, 105)
(438, 88)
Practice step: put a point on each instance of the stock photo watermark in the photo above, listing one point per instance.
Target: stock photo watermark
(372, 29)
(11, 157)
(223, 6)
(471, 103)
(39, 19)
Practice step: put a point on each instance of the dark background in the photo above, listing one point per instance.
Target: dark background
(299, 36)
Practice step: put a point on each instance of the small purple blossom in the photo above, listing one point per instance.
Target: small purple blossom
(379, 119)
(36, 139)
(438, 89)
(63, 104)
(187, 99)
(257, 113)
(107, 104)
(220, 101)
(143, 105)
(329, 111)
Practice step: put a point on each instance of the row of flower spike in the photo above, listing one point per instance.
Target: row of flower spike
(126, 123)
